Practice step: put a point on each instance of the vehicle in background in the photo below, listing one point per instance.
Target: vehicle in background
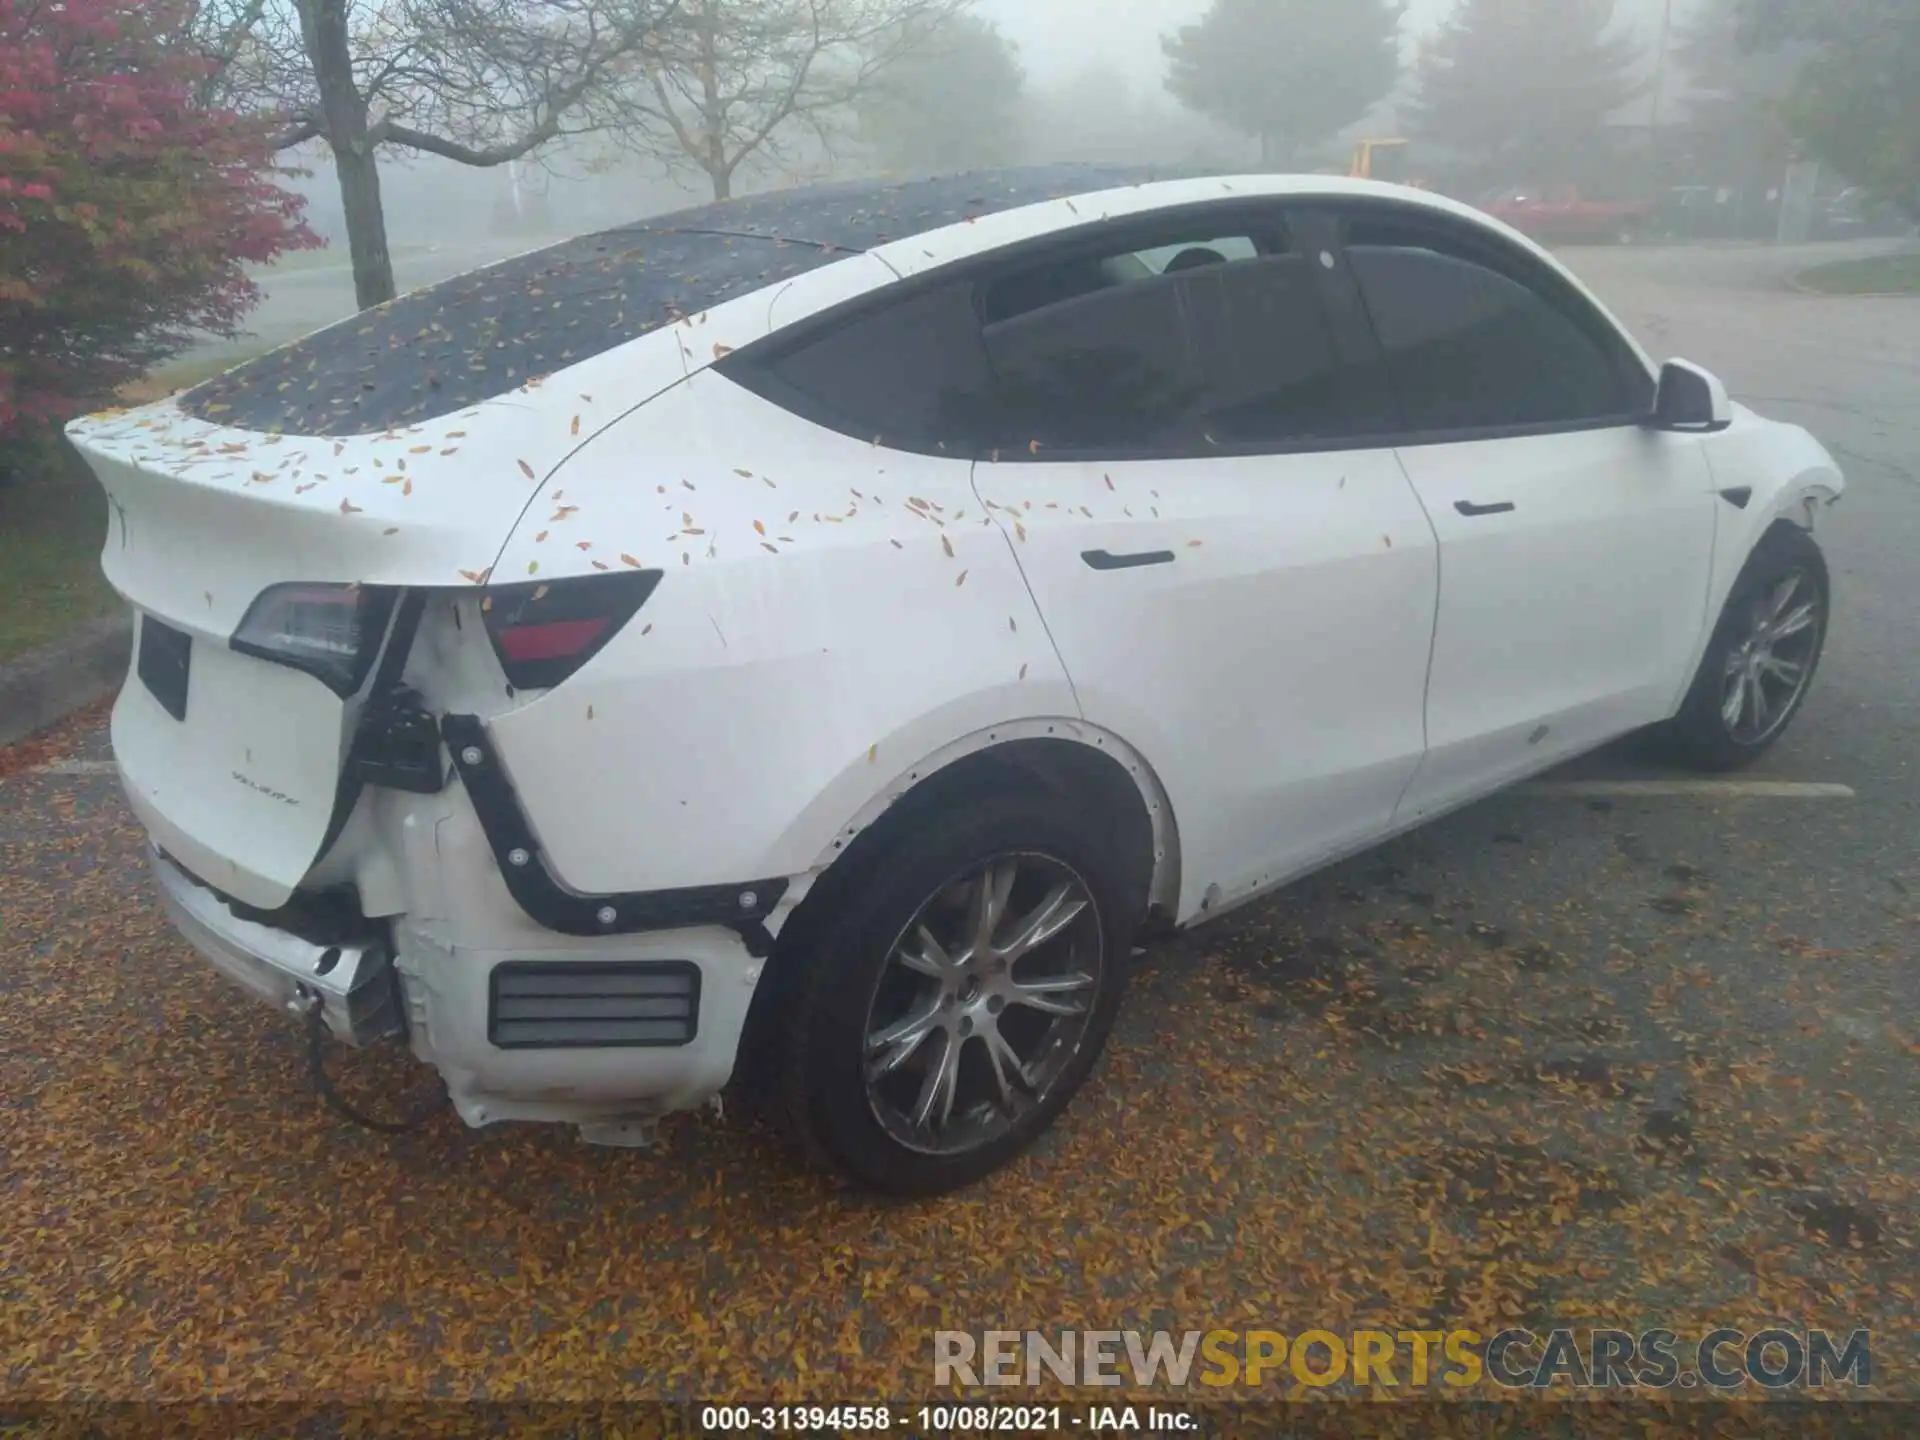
(1389, 161)
(1561, 213)
(1718, 212)
(1854, 214)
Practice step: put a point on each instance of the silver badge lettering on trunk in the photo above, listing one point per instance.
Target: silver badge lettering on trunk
(266, 790)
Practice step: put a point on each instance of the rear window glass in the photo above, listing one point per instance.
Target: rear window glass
(480, 335)
(483, 334)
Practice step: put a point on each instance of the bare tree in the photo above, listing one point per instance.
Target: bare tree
(727, 80)
(478, 82)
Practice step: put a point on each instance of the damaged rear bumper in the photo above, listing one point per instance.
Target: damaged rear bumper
(353, 983)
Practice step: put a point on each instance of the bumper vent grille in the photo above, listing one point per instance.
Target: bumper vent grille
(613, 1006)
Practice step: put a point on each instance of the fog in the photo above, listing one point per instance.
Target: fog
(1095, 91)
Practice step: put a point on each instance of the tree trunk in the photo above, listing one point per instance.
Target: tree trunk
(343, 111)
(359, 173)
(713, 117)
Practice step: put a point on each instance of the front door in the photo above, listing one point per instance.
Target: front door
(1249, 608)
(1575, 543)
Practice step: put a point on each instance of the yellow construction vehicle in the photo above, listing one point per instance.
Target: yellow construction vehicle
(1381, 160)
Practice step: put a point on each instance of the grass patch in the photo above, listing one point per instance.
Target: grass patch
(329, 257)
(1877, 275)
(164, 380)
(53, 522)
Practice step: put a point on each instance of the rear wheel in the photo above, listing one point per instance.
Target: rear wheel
(1761, 659)
(948, 1007)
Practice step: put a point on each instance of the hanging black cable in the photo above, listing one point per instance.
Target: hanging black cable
(316, 1037)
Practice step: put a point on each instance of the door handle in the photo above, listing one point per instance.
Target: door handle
(1467, 507)
(1101, 560)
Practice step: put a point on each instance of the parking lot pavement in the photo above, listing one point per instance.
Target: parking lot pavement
(1564, 1057)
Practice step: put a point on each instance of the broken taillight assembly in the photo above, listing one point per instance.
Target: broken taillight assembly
(544, 632)
(332, 632)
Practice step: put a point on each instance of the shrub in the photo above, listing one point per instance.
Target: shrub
(126, 207)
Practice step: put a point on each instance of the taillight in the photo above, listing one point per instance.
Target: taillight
(332, 632)
(544, 632)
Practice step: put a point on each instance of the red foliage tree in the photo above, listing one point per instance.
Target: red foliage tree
(126, 208)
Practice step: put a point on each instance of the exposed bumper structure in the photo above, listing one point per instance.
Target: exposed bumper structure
(354, 984)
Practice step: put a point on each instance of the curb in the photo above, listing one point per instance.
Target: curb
(1800, 289)
(44, 686)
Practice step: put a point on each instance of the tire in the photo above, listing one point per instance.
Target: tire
(851, 984)
(1701, 734)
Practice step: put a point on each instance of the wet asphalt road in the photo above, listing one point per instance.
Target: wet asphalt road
(1549, 1059)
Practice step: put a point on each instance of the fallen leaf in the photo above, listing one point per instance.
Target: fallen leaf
(526, 469)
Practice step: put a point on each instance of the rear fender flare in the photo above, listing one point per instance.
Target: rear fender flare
(1165, 887)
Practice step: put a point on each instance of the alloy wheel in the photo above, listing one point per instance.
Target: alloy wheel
(1767, 672)
(984, 1001)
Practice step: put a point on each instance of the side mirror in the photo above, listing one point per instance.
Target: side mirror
(1690, 399)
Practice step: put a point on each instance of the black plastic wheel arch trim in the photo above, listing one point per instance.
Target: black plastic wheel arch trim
(742, 908)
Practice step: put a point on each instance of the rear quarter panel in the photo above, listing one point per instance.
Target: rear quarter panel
(832, 613)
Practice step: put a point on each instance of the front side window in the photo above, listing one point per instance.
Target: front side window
(1471, 348)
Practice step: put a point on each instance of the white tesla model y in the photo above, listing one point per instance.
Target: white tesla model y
(821, 628)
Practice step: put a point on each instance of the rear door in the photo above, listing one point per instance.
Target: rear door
(1575, 543)
(1238, 584)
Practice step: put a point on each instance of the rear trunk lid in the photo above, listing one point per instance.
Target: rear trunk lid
(233, 761)
(396, 450)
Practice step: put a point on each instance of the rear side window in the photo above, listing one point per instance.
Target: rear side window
(1270, 371)
(911, 374)
(1184, 346)
(1113, 370)
(1470, 348)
